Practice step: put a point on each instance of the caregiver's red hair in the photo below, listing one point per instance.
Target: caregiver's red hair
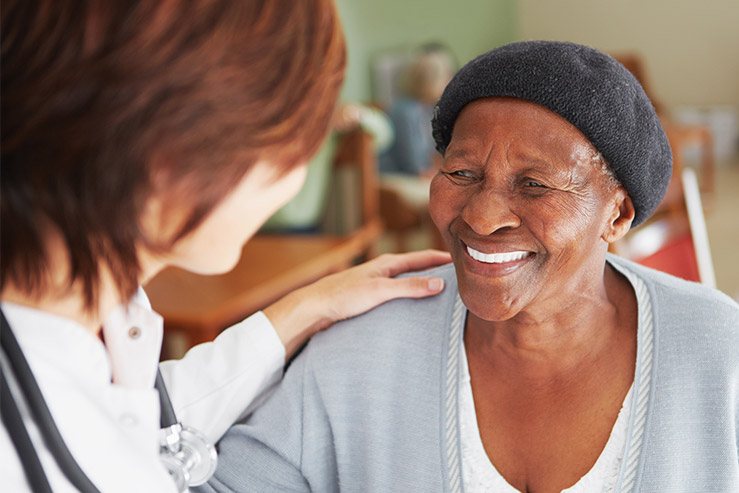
(106, 102)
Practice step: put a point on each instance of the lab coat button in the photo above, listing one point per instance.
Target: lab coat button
(129, 420)
(134, 332)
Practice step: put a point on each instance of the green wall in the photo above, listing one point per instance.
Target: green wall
(468, 27)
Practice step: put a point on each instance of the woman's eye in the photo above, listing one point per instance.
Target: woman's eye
(460, 175)
(534, 184)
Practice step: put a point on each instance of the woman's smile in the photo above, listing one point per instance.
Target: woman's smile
(494, 261)
(496, 258)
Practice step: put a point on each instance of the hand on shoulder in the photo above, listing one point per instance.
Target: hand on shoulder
(352, 292)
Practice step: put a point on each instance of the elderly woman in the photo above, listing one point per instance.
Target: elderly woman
(547, 365)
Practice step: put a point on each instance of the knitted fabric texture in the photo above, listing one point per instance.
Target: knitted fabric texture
(589, 89)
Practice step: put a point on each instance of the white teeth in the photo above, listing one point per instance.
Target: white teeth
(496, 258)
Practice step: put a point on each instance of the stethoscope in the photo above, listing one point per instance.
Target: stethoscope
(186, 454)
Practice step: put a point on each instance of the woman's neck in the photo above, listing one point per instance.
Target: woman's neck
(58, 297)
(559, 338)
(67, 302)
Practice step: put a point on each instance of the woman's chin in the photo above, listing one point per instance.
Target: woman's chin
(494, 300)
(492, 315)
(489, 309)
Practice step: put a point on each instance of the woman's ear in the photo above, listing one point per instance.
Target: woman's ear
(621, 217)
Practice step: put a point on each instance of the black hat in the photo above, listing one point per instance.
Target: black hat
(589, 89)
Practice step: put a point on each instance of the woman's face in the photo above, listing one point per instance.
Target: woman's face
(522, 208)
(214, 247)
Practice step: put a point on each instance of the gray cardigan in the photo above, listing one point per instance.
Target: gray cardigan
(371, 405)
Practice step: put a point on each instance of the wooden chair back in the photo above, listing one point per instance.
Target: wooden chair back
(682, 136)
(676, 243)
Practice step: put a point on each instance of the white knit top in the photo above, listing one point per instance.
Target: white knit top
(480, 475)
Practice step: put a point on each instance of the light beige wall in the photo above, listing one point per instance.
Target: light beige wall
(691, 47)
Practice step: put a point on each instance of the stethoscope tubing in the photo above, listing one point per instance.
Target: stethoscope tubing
(41, 415)
(13, 422)
(167, 416)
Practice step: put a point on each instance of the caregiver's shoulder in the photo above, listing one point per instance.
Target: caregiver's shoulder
(396, 323)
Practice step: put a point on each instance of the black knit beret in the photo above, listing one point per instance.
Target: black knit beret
(588, 88)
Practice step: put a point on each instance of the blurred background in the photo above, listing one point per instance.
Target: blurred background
(367, 188)
(688, 51)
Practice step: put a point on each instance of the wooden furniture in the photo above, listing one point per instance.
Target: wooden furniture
(674, 239)
(270, 267)
(356, 153)
(681, 136)
(675, 242)
(398, 217)
(199, 307)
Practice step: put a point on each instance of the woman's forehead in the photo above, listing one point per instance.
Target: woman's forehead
(513, 113)
(527, 129)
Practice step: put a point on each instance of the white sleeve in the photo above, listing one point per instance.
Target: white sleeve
(218, 382)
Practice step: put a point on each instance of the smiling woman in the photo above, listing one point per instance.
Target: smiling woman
(518, 181)
(547, 365)
(523, 209)
(551, 152)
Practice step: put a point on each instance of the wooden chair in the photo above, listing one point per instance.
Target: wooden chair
(402, 217)
(398, 217)
(674, 242)
(196, 308)
(681, 136)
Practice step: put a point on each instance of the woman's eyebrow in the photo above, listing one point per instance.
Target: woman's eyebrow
(459, 153)
(533, 161)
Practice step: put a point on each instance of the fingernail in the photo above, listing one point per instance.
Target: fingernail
(435, 284)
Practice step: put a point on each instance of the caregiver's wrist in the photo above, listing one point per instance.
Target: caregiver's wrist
(296, 318)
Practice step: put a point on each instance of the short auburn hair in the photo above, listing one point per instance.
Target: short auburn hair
(104, 99)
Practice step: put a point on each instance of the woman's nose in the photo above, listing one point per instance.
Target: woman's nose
(489, 211)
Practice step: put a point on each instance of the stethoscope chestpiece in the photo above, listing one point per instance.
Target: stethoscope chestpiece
(187, 455)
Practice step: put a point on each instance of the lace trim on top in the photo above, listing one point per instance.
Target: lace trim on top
(480, 475)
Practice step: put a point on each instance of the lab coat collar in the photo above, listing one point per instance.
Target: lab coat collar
(130, 355)
(58, 342)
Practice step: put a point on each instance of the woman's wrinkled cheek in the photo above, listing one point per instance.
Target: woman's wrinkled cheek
(569, 231)
(570, 219)
(434, 200)
(442, 205)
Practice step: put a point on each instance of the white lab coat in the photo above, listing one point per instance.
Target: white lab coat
(102, 396)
